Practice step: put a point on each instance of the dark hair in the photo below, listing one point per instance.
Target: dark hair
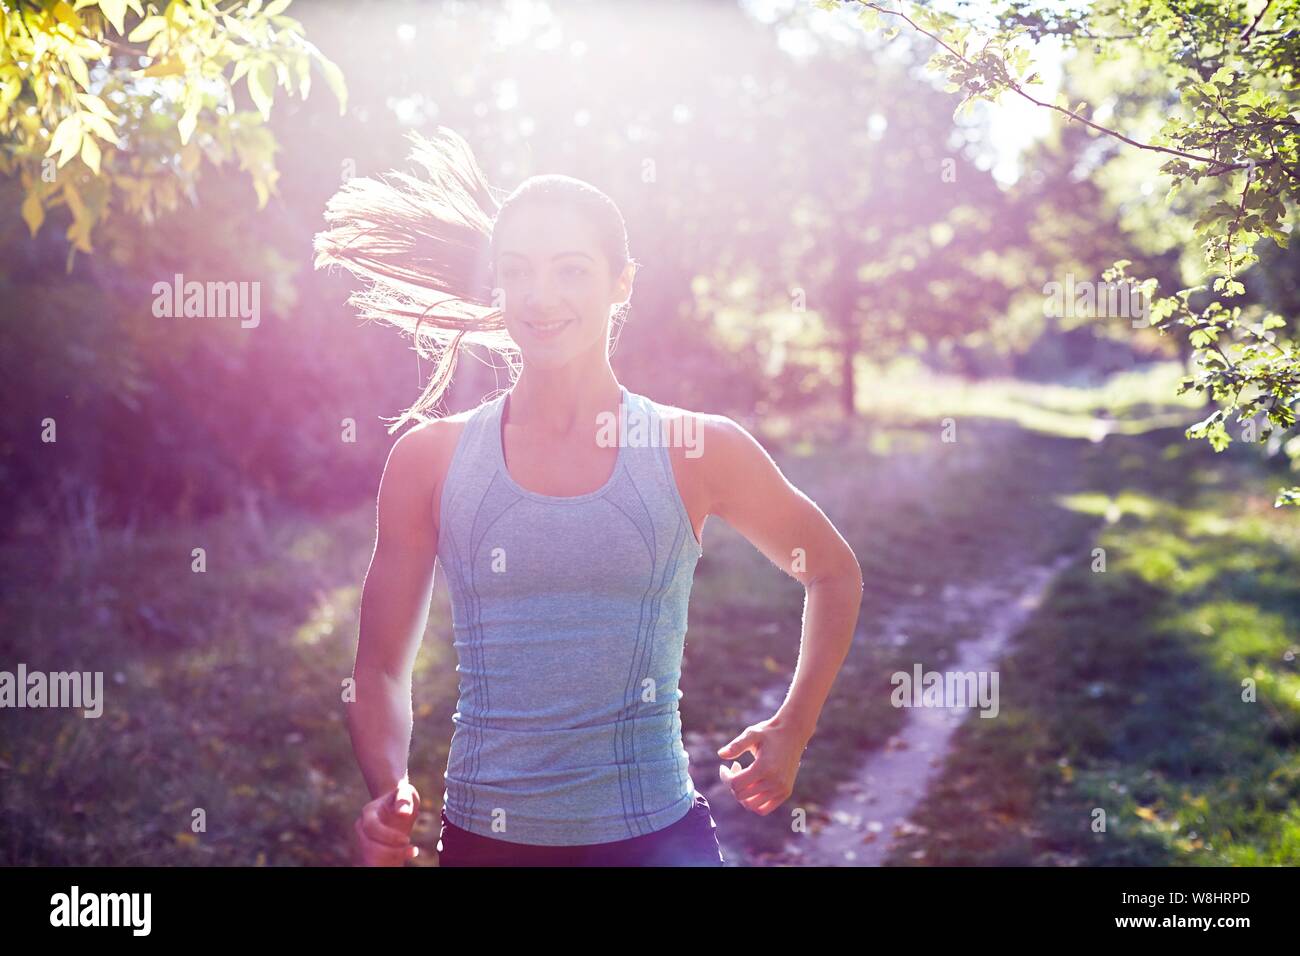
(428, 250)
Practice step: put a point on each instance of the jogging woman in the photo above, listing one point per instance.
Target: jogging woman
(567, 515)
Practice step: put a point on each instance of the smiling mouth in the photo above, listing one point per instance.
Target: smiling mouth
(548, 326)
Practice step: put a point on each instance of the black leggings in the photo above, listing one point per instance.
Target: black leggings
(691, 841)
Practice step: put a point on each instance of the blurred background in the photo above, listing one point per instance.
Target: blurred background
(832, 258)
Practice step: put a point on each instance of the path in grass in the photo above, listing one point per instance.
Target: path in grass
(877, 802)
(1151, 705)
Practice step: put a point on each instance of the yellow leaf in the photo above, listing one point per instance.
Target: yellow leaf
(148, 28)
(186, 126)
(100, 127)
(33, 211)
(115, 11)
(83, 219)
(187, 839)
(66, 139)
(90, 153)
(77, 67)
(65, 15)
(97, 106)
(1146, 813)
(168, 67)
(191, 156)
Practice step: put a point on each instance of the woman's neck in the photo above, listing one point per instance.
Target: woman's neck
(561, 401)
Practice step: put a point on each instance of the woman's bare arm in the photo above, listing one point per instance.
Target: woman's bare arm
(747, 490)
(395, 607)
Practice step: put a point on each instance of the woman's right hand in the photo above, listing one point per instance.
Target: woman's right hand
(382, 834)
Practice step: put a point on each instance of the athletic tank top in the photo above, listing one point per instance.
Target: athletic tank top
(569, 618)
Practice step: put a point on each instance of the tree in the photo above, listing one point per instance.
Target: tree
(1232, 138)
(94, 115)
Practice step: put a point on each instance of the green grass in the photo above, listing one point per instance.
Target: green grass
(1128, 402)
(223, 694)
(1125, 693)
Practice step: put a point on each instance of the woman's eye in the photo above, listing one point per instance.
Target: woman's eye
(575, 271)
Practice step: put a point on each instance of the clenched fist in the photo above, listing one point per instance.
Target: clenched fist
(382, 834)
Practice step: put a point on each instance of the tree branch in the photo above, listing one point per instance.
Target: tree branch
(1015, 88)
(1249, 31)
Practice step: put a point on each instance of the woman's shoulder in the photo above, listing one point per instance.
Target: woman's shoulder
(422, 453)
(687, 423)
(707, 449)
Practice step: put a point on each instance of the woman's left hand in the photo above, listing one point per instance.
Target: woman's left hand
(769, 781)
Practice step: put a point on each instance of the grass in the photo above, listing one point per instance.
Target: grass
(1158, 696)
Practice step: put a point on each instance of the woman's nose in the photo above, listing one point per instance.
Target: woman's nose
(538, 295)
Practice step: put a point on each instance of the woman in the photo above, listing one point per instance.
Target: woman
(567, 514)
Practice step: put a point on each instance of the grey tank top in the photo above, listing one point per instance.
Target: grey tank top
(569, 618)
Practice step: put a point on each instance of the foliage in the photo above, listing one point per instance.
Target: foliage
(118, 102)
(1234, 124)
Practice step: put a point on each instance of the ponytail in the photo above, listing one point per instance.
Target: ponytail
(424, 247)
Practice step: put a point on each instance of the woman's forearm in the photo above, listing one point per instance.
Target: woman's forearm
(831, 608)
(394, 612)
(380, 722)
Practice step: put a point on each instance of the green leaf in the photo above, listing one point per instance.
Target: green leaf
(334, 78)
(261, 80)
(1219, 437)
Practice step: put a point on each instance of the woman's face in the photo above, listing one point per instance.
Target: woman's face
(555, 282)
